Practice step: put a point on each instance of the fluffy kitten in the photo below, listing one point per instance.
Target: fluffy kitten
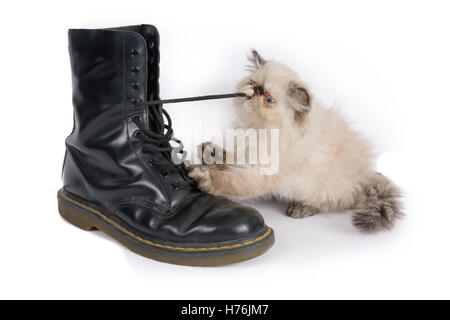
(324, 165)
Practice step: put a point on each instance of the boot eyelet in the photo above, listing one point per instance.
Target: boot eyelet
(136, 119)
(165, 174)
(134, 52)
(135, 101)
(151, 59)
(138, 134)
(135, 85)
(151, 44)
(135, 70)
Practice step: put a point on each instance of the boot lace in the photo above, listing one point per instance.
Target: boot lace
(157, 139)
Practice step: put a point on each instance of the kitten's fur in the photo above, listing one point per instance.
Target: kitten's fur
(324, 164)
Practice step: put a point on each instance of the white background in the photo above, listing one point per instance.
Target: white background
(386, 63)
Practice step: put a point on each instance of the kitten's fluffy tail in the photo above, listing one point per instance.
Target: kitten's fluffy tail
(378, 205)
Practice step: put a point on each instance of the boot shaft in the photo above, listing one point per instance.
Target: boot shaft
(111, 70)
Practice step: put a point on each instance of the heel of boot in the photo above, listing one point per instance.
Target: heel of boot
(76, 216)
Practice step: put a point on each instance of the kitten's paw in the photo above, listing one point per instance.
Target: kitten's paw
(299, 210)
(202, 176)
(211, 154)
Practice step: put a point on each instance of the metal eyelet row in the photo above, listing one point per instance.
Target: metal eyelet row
(135, 69)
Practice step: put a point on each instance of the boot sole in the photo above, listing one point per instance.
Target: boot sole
(89, 217)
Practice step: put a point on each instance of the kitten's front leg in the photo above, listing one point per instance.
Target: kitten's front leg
(300, 210)
(201, 175)
(244, 183)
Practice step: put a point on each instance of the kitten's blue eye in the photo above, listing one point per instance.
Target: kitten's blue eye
(270, 99)
(252, 83)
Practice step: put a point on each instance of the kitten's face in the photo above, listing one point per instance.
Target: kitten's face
(275, 90)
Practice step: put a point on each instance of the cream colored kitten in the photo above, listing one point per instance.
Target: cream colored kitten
(324, 165)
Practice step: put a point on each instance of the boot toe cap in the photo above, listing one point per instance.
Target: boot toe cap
(211, 219)
(227, 224)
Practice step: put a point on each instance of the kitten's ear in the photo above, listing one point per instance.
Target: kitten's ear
(256, 61)
(298, 97)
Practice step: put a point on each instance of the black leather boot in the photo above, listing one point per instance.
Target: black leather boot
(118, 175)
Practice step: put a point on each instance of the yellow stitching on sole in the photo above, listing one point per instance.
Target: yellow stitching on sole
(118, 226)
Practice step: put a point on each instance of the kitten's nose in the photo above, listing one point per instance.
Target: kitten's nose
(258, 90)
